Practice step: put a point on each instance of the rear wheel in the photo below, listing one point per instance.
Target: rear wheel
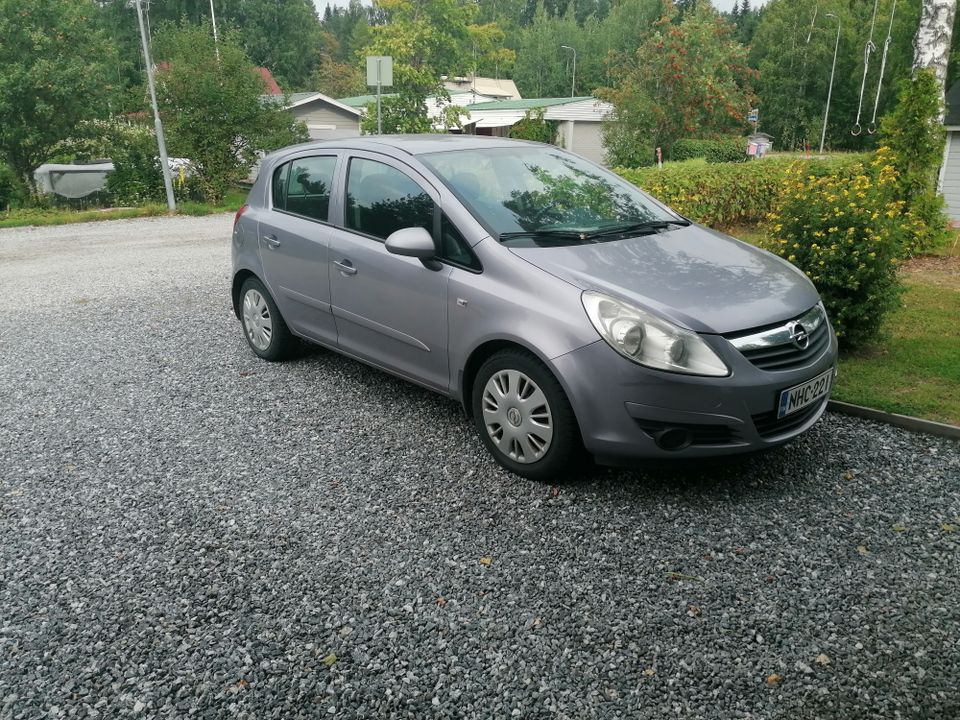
(524, 418)
(266, 332)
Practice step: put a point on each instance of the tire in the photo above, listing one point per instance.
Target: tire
(525, 419)
(264, 328)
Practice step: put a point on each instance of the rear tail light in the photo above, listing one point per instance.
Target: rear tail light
(240, 212)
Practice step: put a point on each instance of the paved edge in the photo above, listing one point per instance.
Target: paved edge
(904, 421)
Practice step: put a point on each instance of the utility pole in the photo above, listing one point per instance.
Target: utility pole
(158, 126)
(826, 113)
(573, 85)
(213, 21)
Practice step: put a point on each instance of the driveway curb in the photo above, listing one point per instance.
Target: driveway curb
(904, 421)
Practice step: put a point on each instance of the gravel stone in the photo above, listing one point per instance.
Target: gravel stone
(186, 531)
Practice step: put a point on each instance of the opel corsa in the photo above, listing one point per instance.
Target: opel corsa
(565, 309)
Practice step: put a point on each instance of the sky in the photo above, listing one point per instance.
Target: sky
(720, 4)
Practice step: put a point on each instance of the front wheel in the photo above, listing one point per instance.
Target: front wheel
(524, 418)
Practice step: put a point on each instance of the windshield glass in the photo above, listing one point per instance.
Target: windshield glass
(531, 189)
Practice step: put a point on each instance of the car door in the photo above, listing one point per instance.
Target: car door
(294, 244)
(389, 309)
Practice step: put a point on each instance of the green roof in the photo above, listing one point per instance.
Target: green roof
(359, 101)
(527, 104)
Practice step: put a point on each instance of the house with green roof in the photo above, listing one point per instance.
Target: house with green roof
(579, 121)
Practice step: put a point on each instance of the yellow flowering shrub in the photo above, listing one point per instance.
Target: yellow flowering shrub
(845, 230)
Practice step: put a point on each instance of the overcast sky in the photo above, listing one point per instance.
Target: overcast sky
(720, 4)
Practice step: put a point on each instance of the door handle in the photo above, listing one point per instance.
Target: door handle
(346, 267)
(272, 241)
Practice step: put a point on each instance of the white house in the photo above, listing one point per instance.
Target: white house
(949, 180)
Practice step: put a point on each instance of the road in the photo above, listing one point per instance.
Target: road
(186, 531)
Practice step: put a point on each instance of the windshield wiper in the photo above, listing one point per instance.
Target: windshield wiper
(559, 233)
(646, 225)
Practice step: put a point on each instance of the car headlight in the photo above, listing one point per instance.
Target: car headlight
(649, 340)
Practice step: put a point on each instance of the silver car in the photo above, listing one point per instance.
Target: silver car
(569, 312)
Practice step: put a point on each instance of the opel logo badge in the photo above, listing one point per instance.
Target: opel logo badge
(798, 334)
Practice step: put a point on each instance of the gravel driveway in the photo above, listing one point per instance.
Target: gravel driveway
(186, 531)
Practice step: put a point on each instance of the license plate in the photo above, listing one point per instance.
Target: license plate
(799, 396)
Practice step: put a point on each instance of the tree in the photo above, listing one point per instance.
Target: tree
(279, 35)
(689, 79)
(57, 71)
(212, 109)
(792, 50)
(427, 39)
(332, 76)
(932, 41)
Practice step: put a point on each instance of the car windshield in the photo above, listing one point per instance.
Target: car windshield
(527, 190)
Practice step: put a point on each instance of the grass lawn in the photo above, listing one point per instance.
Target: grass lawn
(60, 216)
(915, 370)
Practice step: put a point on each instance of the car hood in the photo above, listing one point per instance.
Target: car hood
(696, 277)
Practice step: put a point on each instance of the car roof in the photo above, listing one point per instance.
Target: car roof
(411, 144)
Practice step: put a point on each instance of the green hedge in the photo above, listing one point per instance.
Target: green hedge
(732, 149)
(726, 194)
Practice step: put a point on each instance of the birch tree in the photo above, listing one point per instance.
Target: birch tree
(931, 44)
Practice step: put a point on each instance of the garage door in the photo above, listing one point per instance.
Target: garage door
(588, 141)
(951, 176)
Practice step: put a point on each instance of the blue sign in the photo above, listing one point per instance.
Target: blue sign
(753, 116)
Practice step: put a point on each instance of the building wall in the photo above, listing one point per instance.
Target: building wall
(951, 175)
(587, 140)
(320, 117)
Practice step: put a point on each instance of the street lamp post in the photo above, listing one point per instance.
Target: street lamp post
(573, 84)
(826, 113)
(161, 144)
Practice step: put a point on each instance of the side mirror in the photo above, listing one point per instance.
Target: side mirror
(412, 242)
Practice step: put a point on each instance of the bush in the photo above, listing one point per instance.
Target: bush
(912, 137)
(534, 127)
(724, 194)
(732, 149)
(844, 230)
(13, 193)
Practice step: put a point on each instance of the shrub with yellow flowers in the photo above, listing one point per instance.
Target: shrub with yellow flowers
(845, 230)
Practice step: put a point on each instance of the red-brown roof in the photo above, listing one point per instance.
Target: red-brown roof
(270, 86)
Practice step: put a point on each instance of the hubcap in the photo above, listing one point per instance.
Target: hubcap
(517, 416)
(256, 319)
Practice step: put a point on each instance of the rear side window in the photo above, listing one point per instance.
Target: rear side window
(279, 186)
(381, 199)
(302, 186)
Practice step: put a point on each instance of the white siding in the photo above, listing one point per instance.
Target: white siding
(321, 114)
(589, 109)
(587, 140)
(951, 175)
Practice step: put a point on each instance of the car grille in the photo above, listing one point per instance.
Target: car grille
(773, 349)
(768, 425)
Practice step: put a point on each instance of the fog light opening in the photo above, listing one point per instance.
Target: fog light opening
(673, 439)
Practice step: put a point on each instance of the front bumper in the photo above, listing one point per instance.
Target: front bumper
(622, 407)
